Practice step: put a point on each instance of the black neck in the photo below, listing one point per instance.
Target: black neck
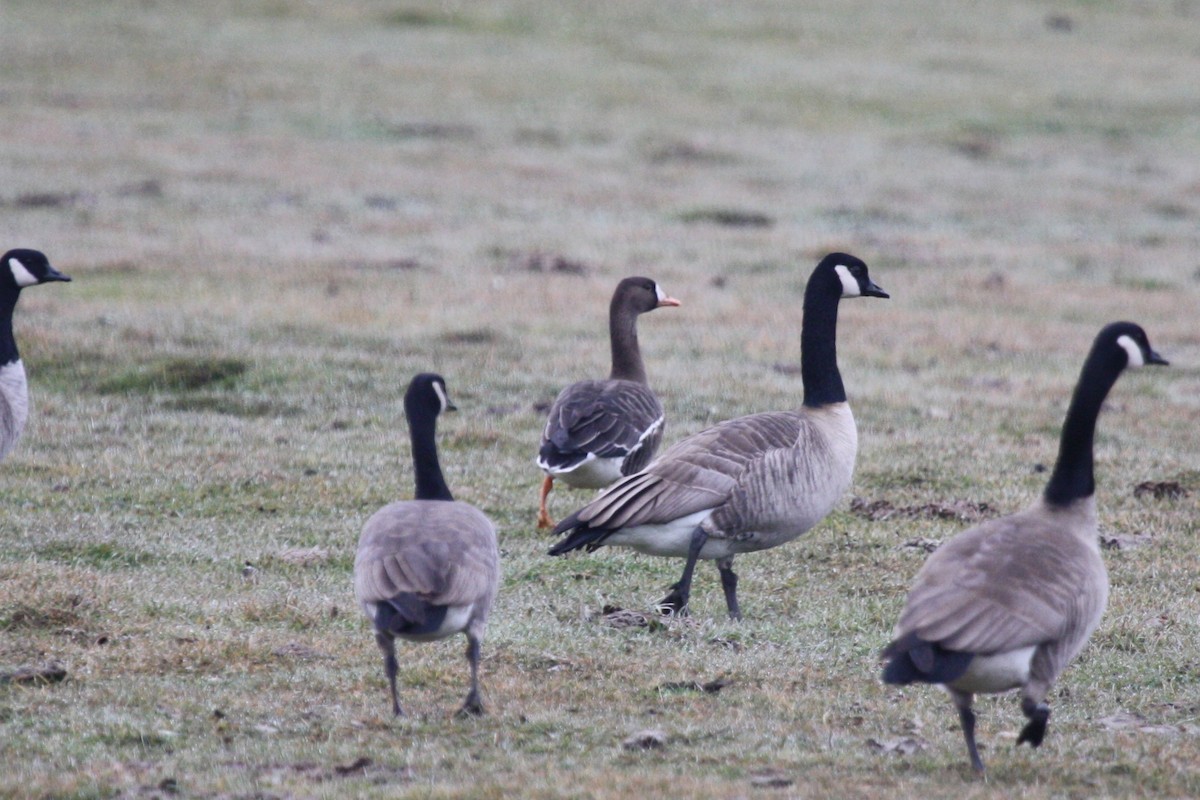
(8, 344)
(626, 355)
(1073, 478)
(818, 341)
(430, 483)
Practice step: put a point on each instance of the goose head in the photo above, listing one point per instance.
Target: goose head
(852, 274)
(427, 397)
(1127, 342)
(640, 295)
(23, 267)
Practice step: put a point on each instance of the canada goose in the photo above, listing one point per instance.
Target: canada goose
(428, 568)
(598, 431)
(1010, 602)
(21, 268)
(748, 483)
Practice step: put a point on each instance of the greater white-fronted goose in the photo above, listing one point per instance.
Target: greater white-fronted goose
(1009, 603)
(21, 268)
(748, 483)
(428, 568)
(598, 431)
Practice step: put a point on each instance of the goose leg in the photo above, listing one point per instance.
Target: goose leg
(729, 582)
(966, 718)
(543, 520)
(1039, 716)
(388, 645)
(472, 706)
(677, 599)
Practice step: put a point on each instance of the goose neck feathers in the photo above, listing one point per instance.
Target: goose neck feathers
(632, 297)
(838, 275)
(425, 399)
(1117, 346)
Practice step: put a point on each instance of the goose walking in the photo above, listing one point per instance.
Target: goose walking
(428, 568)
(1009, 603)
(21, 268)
(748, 483)
(598, 431)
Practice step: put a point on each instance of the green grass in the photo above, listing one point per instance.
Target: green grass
(276, 213)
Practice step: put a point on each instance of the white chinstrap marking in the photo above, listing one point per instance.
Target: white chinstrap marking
(440, 391)
(850, 287)
(1136, 357)
(20, 274)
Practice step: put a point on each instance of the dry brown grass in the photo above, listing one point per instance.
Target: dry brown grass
(276, 212)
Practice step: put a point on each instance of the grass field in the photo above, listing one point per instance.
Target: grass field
(276, 212)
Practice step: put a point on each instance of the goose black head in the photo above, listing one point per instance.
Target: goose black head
(852, 273)
(1127, 340)
(23, 267)
(427, 396)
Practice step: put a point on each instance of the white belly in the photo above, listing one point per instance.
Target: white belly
(14, 404)
(671, 539)
(592, 473)
(996, 673)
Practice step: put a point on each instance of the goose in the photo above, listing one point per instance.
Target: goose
(1010, 602)
(748, 483)
(21, 268)
(598, 431)
(428, 568)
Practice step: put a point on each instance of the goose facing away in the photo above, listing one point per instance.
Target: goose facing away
(598, 431)
(20, 269)
(1009, 603)
(428, 568)
(748, 483)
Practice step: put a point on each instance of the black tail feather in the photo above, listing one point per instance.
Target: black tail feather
(407, 614)
(590, 538)
(913, 660)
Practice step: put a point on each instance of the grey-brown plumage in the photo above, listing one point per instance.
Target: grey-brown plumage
(428, 568)
(599, 430)
(749, 483)
(1009, 603)
(19, 269)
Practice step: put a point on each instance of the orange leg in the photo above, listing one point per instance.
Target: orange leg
(543, 520)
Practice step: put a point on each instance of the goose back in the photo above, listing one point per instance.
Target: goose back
(983, 593)
(443, 552)
(598, 431)
(765, 479)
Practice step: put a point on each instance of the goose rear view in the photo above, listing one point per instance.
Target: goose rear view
(429, 567)
(1009, 603)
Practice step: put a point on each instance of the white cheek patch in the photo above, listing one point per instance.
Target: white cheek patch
(441, 393)
(850, 287)
(1136, 358)
(22, 276)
